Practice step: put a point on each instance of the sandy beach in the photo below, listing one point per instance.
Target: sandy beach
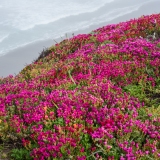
(14, 61)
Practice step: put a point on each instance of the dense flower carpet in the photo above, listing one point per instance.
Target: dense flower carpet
(94, 96)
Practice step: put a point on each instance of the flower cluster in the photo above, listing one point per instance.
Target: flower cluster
(94, 96)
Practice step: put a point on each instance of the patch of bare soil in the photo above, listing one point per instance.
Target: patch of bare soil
(5, 151)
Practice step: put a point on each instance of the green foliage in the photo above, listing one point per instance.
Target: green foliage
(59, 121)
(158, 44)
(21, 154)
(150, 71)
(107, 42)
(72, 86)
(85, 140)
(48, 90)
(135, 91)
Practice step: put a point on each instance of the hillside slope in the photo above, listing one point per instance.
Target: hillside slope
(93, 96)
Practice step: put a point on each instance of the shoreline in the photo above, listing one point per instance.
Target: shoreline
(14, 61)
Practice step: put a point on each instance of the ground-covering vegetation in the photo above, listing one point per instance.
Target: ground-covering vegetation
(91, 97)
